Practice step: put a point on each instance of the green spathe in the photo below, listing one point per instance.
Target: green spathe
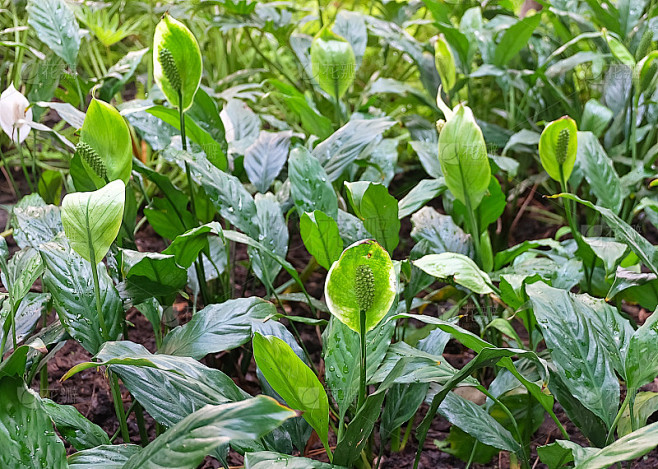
(106, 133)
(558, 146)
(340, 291)
(183, 50)
(332, 59)
(463, 157)
(92, 220)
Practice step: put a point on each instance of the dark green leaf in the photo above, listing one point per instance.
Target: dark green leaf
(186, 444)
(26, 432)
(56, 27)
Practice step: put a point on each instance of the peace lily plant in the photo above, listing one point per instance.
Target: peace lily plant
(217, 233)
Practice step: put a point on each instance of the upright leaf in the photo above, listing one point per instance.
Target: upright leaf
(309, 184)
(265, 158)
(293, 381)
(577, 352)
(515, 38)
(378, 210)
(321, 237)
(56, 27)
(68, 278)
(599, 172)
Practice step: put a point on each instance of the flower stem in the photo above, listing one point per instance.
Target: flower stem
(9, 175)
(362, 383)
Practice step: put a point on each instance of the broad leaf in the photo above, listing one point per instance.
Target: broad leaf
(55, 25)
(353, 140)
(217, 327)
(293, 381)
(74, 427)
(106, 456)
(624, 232)
(599, 172)
(641, 358)
(270, 460)
(378, 210)
(26, 432)
(321, 237)
(68, 278)
(187, 443)
(309, 184)
(458, 268)
(576, 350)
(515, 38)
(265, 158)
(477, 422)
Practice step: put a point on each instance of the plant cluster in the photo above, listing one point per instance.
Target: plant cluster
(515, 140)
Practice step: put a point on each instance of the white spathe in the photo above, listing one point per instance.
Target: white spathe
(15, 114)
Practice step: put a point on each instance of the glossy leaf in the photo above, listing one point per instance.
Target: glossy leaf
(353, 140)
(624, 232)
(23, 269)
(107, 456)
(74, 427)
(378, 210)
(333, 62)
(271, 460)
(68, 278)
(340, 285)
(55, 25)
(186, 444)
(217, 327)
(151, 274)
(92, 220)
(641, 358)
(477, 422)
(293, 381)
(265, 158)
(26, 432)
(458, 268)
(599, 172)
(309, 184)
(321, 237)
(342, 358)
(576, 350)
(35, 222)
